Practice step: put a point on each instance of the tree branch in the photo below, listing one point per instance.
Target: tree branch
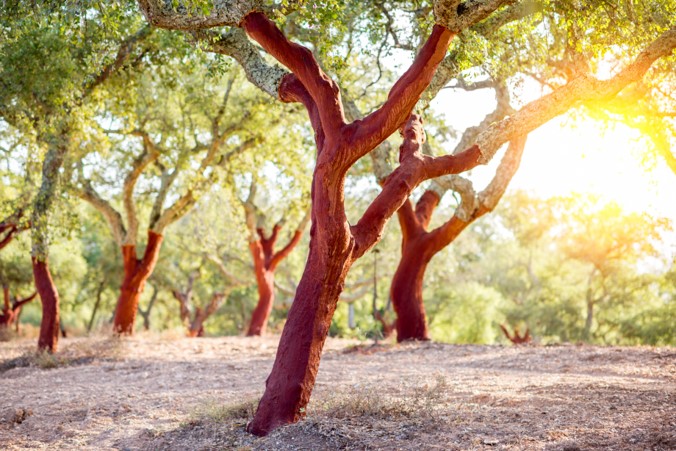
(414, 168)
(184, 203)
(149, 154)
(484, 203)
(126, 47)
(583, 89)
(457, 15)
(425, 207)
(235, 44)
(293, 242)
(175, 15)
(234, 280)
(113, 217)
(379, 125)
(303, 64)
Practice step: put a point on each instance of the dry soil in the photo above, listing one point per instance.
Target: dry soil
(162, 393)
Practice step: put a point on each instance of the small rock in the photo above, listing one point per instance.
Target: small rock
(490, 441)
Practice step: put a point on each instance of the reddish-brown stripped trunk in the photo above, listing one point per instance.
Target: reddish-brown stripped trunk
(265, 263)
(49, 296)
(136, 273)
(11, 311)
(417, 249)
(516, 338)
(334, 243)
(406, 292)
(419, 245)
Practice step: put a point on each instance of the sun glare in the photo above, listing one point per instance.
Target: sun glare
(571, 155)
(589, 157)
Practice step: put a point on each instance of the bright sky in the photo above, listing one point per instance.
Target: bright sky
(562, 157)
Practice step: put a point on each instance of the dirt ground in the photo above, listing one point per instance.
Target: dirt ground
(163, 393)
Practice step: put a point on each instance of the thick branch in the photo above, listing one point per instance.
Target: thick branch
(425, 207)
(149, 154)
(126, 47)
(484, 203)
(18, 304)
(414, 169)
(293, 242)
(235, 44)
(583, 89)
(464, 188)
(113, 217)
(403, 96)
(175, 15)
(491, 195)
(292, 90)
(457, 15)
(302, 63)
(407, 220)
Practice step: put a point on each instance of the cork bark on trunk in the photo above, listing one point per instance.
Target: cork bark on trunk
(419, 245)
(49, 296)
(12, 310)
(40, 221)
(265, 261)
(334, 243)
(136, 274)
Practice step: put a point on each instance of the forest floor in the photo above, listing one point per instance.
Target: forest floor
(162, 393)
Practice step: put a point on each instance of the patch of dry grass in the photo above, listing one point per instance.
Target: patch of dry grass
(78, 353)
(412, 401)
(216, 412)
(354, 420)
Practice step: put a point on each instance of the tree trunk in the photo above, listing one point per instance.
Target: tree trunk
(334, 243)
(589, 300)
(265, 261)
(288, 388)
(17, 320)
(6, 317)
(99, 292)
(265, 280)
(49, 296)
(406, 291)
(589, 321)
(136, 273)
(196, 328)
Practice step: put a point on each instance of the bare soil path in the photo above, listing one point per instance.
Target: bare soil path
(150, 392)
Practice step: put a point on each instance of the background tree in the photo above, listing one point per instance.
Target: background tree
(266, 258)
(53, 59)
(17, 286)
(186, 142)
(583, 255)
